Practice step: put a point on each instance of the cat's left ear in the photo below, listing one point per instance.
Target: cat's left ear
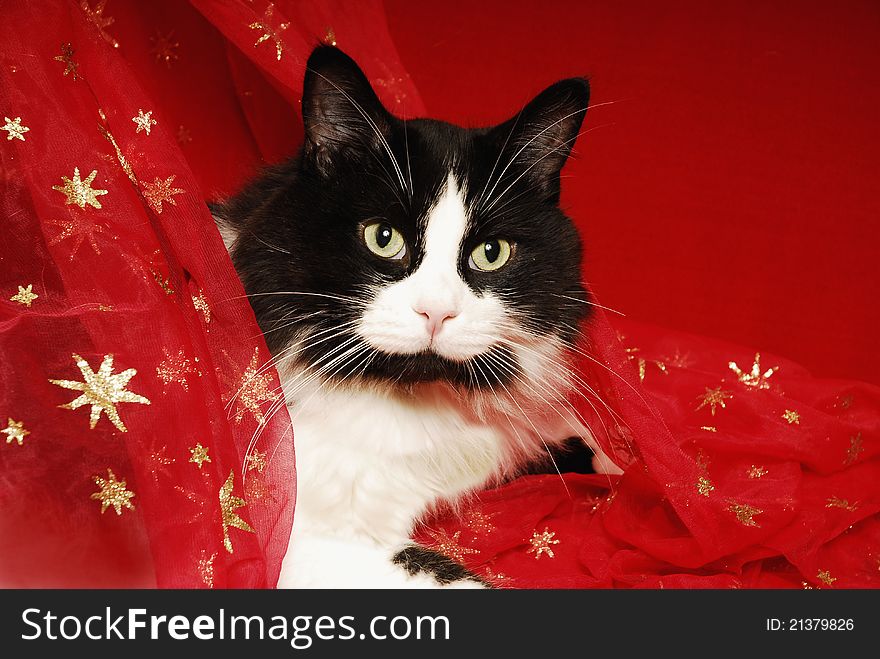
(343, 118)
(541, 136)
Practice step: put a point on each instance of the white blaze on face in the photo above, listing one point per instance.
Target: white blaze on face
(433, 308)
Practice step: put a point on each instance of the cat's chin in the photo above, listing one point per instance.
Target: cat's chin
(409, 371)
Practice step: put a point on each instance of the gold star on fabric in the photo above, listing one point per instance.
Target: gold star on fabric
(79, 191)
(792, 417)
(159, 192)
(269, 32)
(330, 37)
(199, 454)
(837, 502)
(825, 577)
(144, 121)
(713, 398)
(102, 390)
(228, 503)
(113, 493)
(165, 48)
(79, 228)
(15, 431)
(745, 513)
(15, 129)
(206, 568)
(254, 391)
(679, 359)
(855, 447)
(757, 472)
(642, 363)
(704, 486)
(99, 20)
(25, 296)
(255, 489)
(157, 462)
(709, 428)
(200, 302)
(256, 460)
(541, 543)
(450, 545)
(479, 522)
(753, 378)
(174, 368)
(66, 57)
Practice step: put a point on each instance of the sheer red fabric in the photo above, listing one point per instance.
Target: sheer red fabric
(144, 440)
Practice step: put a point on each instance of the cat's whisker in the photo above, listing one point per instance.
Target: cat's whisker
(590, 303)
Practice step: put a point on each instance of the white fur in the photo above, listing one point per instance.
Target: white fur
(395, 320)
(372, 459)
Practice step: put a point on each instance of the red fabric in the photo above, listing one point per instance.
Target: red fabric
(731, 189)
(129, 291)
(744, 497)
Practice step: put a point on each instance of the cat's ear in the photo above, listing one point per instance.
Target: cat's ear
(342, 116)
(540, 138)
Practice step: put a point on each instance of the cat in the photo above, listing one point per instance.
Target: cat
(420, 290)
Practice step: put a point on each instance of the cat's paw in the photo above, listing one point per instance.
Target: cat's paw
(417, 560)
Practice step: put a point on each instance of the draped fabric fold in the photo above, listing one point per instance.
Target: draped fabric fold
(144, 439)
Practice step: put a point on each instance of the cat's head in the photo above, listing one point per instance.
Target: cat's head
(415, 251)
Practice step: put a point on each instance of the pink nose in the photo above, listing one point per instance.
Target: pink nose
(435, 317)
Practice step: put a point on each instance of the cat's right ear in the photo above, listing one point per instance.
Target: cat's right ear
(342, 116)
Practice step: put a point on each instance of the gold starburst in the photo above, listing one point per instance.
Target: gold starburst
(200, 302)
(855, 448)
(228, 504)
(542, 543)
(256, 460)
(744, 513)
(825, 577)
(254, 391)
(713, 398)
(753, 378)
(449, 545)
(157, 462)
(709, 428)
(704, 486)
(199, 454)
(679, 359)
(757, 472)
(80, 191)
(15, 129)
(159, 192)
(330, 37)
(25, 296)
(206, 568)
(96, 16)
(269, 32)
(479, 522)
(165, 48)
(174, 368)
(792, 417)
(66, 57)
(837, 502)
(144, 121)
(15, 431)
(102, 390)
(80, 229)
(113, 493)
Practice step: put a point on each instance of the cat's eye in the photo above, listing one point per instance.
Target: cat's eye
(384, 240)
(490, 255)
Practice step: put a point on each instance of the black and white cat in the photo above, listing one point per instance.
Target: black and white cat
(421, 291)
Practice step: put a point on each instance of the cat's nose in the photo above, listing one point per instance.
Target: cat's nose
(435, 316)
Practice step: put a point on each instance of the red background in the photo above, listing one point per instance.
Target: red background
(732, 188)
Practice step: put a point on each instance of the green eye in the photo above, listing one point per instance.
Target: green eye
(490, 255)
(384, 240)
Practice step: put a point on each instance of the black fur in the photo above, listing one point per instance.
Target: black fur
(415, 559)
(300, 223)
